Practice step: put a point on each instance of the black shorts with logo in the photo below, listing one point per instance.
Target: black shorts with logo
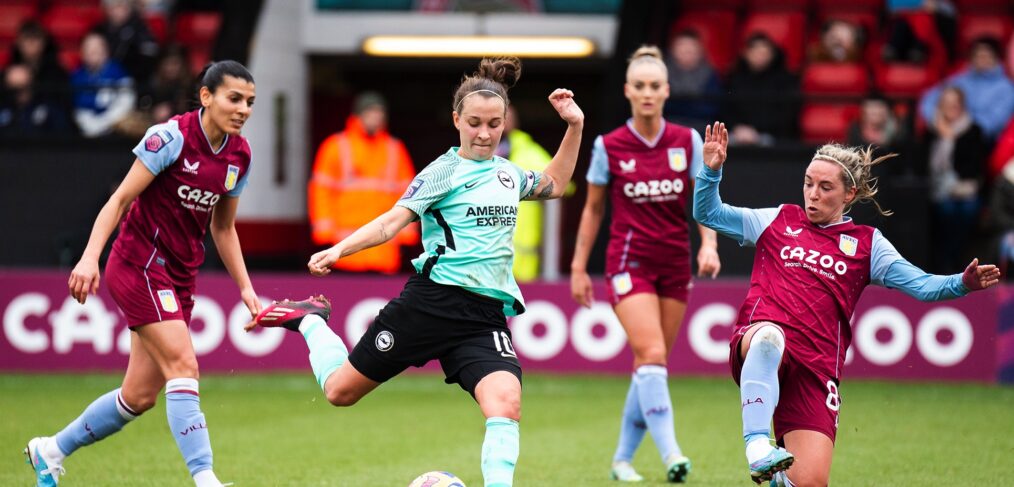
(465, 331)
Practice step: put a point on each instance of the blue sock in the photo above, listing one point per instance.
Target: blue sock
(656, 407)
(758, 382)
(183, 407)
(103, 417)
(500, 452)
(632, 426)
(327, 352)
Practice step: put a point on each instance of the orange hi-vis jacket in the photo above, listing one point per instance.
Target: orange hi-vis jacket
(356, 178)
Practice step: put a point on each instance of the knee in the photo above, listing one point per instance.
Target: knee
(770, 337)
(504, 404)
(809, 479)
(650, 355)
(140, 401)
(341, 397)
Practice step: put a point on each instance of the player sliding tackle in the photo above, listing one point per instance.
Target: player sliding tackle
(454, 308)
(811, 266)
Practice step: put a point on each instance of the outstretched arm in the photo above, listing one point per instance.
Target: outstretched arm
(378, 231)
(223, 231)
(554, 180)
(889, 269)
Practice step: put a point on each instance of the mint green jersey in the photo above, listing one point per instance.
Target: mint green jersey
(468, 211)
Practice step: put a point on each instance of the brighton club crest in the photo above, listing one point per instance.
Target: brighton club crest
(678, 159)
(848, 244)
(230, 177)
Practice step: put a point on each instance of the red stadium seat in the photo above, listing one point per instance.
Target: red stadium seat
(849, 5)
(70, 58)
(11, 18)
(68, 24)
(715, 27)
(158, 25)
(199, 56)
(844, 79)
(824, 122)
(787, 29)
(903, 79)
(983, 6)
(5, 54)
(973, 26)
(195, 28)
(760, 5)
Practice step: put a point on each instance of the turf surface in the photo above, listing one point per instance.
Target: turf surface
(277, 430)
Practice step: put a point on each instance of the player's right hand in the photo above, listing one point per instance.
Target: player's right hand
(321, 262)
(716, 145)
(84, 279)
(581, 289)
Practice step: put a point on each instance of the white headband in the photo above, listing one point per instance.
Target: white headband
(458, 108)
(831, 159)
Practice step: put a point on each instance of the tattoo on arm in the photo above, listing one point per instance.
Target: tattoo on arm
(383, 232)
(546, 192)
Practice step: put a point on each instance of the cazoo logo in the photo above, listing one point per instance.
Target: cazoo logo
(653, 187)
(198, 196)
(810, 256)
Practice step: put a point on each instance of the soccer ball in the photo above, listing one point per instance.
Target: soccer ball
(437, 479)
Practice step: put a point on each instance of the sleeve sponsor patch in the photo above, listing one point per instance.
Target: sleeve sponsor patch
(158, 140)
(413, 188)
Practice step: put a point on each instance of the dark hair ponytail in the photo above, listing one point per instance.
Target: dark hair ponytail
(495, 75)
(214, 74)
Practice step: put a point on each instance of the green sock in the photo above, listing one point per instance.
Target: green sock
(500, 452)
(327, 352)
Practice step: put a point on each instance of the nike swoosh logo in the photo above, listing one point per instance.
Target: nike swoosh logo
(470, 186)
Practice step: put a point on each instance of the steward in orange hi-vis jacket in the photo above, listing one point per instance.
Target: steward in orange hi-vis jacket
(358, 174)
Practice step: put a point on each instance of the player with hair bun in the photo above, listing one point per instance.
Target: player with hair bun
(793, 330)
(188, 172)
(454, 308)
(645, 169)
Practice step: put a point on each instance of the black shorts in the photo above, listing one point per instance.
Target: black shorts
(465, 331)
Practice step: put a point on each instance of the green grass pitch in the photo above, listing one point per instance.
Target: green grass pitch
(277, 430)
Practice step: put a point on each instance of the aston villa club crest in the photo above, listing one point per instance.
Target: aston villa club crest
(678, 159)
(848, 245)
(231, 177)
(168, 300)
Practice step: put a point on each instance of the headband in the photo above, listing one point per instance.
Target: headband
(831, 159)
(458, 108)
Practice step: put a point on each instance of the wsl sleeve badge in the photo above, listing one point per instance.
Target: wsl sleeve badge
(231, 177)
(412, 188)
(158, 140)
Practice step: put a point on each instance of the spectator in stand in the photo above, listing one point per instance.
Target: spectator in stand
(130, 41)
(840, 42)
(169, 90)
(24, 113)
(761, 103)
(878, 126)
(913, 43)
(34, 48)
(987, 89)
(103, 91)
(957, 168)
(693, 82)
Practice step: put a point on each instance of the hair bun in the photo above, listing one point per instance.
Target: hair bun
(647, 51)
(503, 70)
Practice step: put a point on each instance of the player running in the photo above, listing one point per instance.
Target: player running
(453, 309)
(811, 267)
(645, 166)
(189, 171)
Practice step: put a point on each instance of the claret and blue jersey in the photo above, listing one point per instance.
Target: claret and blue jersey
(168, 220)
(469, 211)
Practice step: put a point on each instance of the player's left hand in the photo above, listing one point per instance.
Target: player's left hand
(708, 263)
(977, 277)
(563, 101)
(321, 262)
(252, 302)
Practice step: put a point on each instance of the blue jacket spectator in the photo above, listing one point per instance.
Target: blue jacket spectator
(103, 91)
(989, 93)
(694, 88)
